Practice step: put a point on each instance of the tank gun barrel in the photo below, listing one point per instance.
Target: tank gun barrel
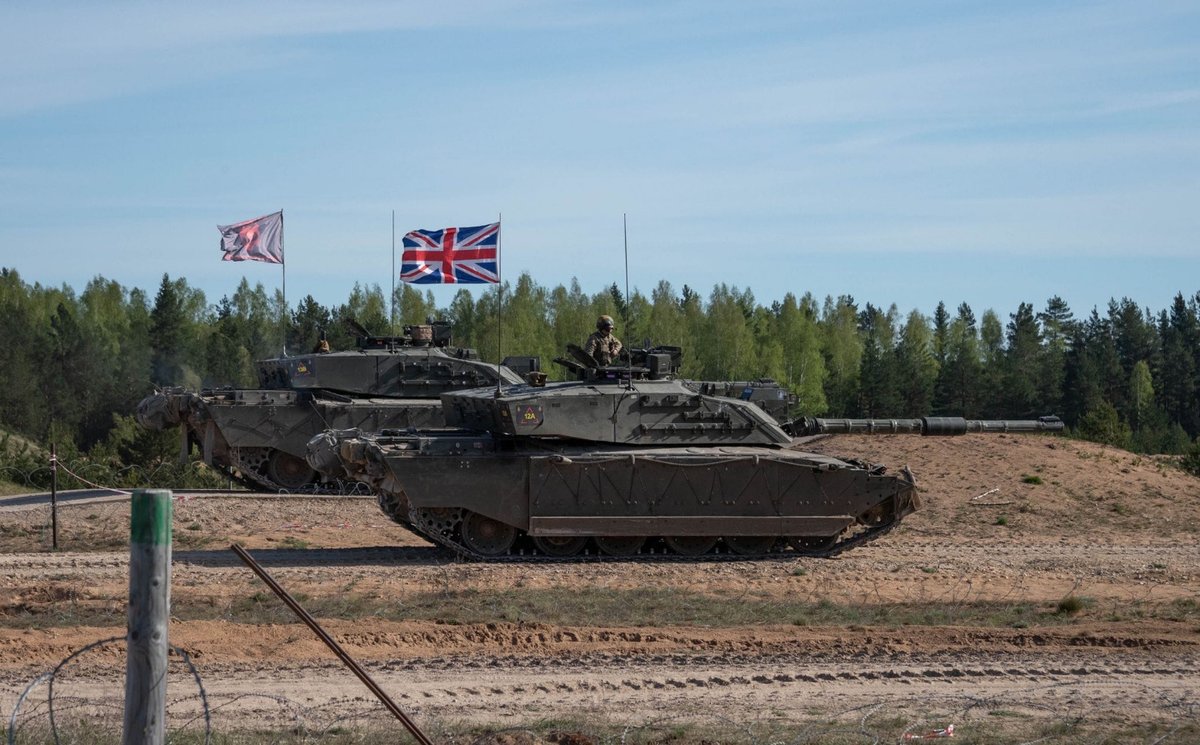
(929, 426)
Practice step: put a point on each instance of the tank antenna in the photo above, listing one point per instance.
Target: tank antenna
(628, 356)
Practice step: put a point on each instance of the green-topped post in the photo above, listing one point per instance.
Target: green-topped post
(149, 609)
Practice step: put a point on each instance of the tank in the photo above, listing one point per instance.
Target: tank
(631, 461)
(258, 436)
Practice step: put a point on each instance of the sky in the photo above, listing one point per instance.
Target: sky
(901, 153)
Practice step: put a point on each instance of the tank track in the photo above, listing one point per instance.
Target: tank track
(442, 531)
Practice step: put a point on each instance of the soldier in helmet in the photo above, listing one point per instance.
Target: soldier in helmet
(602, 346)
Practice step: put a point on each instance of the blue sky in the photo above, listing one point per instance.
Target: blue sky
(994, 153)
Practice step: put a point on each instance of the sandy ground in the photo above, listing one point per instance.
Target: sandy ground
(1008, 521)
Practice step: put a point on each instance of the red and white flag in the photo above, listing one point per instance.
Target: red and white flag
(260, 239)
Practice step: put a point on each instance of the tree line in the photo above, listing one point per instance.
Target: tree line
(75, 364)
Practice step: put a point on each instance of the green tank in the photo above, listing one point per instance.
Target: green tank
(629, 460)
(258, 436)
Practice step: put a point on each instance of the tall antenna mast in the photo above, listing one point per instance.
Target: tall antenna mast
(628, 356)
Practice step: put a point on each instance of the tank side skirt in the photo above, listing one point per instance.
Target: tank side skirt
(669, 493)
(692, 525)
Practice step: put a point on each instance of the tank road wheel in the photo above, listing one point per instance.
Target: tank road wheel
(289, 471)
(691, 545)
(620, 545)
(812, 544)
(749, 545)
(567, 545)
(486, 536)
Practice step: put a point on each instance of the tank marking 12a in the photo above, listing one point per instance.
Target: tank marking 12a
(529, 415)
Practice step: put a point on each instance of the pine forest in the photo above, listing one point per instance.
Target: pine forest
(75, 364)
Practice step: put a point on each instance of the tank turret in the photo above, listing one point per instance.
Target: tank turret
(627, 460)
(257, 436)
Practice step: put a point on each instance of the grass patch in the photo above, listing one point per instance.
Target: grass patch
(1031, 479)
(563, 607)
(642, 607)
(1072, 604)
(9, 489)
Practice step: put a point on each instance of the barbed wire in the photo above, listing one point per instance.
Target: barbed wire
(55, 703)
(194, 475)
(88, 473)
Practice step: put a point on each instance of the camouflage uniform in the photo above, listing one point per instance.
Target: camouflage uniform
(603, 347)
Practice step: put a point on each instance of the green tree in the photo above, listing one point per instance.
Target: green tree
(20, 399)
(803, 365)
(842, 348)
(1103, 424)
(571, 319)
(309, 321)
(941, 333)
(1022, 364)
(118, 357)
(413, 306)
(524, 323)
(228, 362)
(1180, 333)
(959, 388)
(878, 383)
(168, 334)
(1141, 394)
(916, 366)
(994, 364)
(1057, 323)
(728, 351)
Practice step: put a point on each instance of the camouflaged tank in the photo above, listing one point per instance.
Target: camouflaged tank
(630, 460)
(258, 436)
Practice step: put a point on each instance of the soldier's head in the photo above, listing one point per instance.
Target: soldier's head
(604, 324)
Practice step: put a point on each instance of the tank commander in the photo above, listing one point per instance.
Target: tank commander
(602, 346)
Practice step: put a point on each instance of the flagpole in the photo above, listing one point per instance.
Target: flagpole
(393, 272)
(499, 297)
(283, 267)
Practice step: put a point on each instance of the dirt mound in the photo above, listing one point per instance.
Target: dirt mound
(1033, 486)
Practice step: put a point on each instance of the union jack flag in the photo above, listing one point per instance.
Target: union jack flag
(452, 255)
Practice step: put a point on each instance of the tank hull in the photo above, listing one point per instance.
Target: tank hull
(671, 499)
(257, 436)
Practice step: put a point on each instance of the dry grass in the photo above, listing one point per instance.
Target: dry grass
(55, 605)
(985, 726)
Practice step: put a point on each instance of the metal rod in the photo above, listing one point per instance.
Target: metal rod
(628, 356)
(349, 661)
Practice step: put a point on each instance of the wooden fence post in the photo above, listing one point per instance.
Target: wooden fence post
(149, 610)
